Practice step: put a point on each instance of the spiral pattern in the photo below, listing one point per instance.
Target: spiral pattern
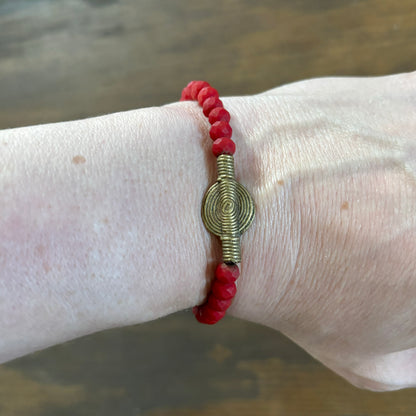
(211, 209)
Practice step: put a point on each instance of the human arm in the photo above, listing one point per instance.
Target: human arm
(97, 227)
(330, 164)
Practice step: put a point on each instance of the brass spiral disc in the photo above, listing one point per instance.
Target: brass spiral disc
(212, 211)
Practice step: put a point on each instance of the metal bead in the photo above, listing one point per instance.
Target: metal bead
(228, 209)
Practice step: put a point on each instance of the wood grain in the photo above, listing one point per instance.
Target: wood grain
(61, 60)
(73, 58)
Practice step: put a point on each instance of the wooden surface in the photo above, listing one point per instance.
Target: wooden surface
(65, 59)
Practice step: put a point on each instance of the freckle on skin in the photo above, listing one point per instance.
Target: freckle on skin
(78, 159)
(105, 220)
(280, 182)
(344, 205)
(40, 250)
(46, 267)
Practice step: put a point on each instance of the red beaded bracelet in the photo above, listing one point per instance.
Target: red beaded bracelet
(227, 208)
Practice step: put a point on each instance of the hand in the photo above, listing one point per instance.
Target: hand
(331, 258)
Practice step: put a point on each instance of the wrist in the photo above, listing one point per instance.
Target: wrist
(167, 173)
(264, 164)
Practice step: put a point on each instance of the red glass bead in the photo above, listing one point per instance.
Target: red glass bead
(186, 94)
(195, 87)
(220, 129)
(205, 315)
(223, 290)
(222, 146)
(219, 114)
(209, 104)
(227, 273)
(218, 304)
(206, 93)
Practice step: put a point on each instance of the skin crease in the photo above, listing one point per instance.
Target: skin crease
(330, 259)
(349, 274)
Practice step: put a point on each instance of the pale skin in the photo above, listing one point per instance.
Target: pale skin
(100, 224)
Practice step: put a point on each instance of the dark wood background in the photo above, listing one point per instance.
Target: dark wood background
(66, 59)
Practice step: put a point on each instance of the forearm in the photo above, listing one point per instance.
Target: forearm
(98, 225)
(100, 222)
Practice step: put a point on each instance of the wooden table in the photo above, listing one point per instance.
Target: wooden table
(61, 60)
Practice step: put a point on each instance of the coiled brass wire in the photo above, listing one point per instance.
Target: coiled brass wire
(228, 209)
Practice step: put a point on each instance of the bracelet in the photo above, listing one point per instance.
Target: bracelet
(227, 207)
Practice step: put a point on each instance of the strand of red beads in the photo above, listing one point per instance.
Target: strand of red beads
(223, 288)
